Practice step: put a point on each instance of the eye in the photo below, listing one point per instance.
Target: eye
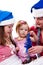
(21, 29)
(9, 26)
(40, 18)
(26, 30)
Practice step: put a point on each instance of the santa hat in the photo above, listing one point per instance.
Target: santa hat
(6, 18)
(37, 9)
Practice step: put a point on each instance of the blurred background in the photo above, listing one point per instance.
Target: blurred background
(21, 11)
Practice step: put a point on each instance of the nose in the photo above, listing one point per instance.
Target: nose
(23, 30)
(37, 22)
(11, 29)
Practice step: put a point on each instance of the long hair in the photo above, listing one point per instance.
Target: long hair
(2, 40)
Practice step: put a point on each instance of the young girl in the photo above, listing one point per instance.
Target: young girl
(7, 49)
(23, 41)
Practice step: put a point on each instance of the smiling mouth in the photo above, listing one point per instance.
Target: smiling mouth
(38, 25)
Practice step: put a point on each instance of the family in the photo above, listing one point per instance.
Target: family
(29, 43)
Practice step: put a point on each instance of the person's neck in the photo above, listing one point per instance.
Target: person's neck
(41, 30)
(20, 38)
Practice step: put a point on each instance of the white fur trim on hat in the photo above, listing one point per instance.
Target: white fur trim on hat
(37, 12)
(7, 22)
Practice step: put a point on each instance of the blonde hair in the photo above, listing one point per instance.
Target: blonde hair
(20, 23)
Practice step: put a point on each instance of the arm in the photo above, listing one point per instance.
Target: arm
(17, 49)
(35, 49)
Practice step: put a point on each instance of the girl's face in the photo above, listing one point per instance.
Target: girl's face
(8, 30)
(39, 22)
(23, 30)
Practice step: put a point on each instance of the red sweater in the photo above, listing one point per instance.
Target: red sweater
(35, 30)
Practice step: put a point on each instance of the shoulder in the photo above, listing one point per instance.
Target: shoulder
(4, 49)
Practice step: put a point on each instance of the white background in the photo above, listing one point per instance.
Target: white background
(20, 9)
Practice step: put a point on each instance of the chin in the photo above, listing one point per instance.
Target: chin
(38, 26)
(23, 36)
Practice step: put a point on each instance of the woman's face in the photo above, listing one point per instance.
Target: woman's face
(39, 22)
(23, 30)
(8, 30)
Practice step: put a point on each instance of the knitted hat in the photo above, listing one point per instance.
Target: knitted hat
(37, 9)
(6, 18)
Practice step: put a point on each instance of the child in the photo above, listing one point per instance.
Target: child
(23, 41)
(22, 30)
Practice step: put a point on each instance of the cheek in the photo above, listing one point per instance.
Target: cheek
(20, 32)
(41, 24)
(6, 31)
(26, 32)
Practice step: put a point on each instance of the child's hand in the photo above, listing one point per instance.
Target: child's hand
(32, 33)
(17, 49)
(33, 37)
